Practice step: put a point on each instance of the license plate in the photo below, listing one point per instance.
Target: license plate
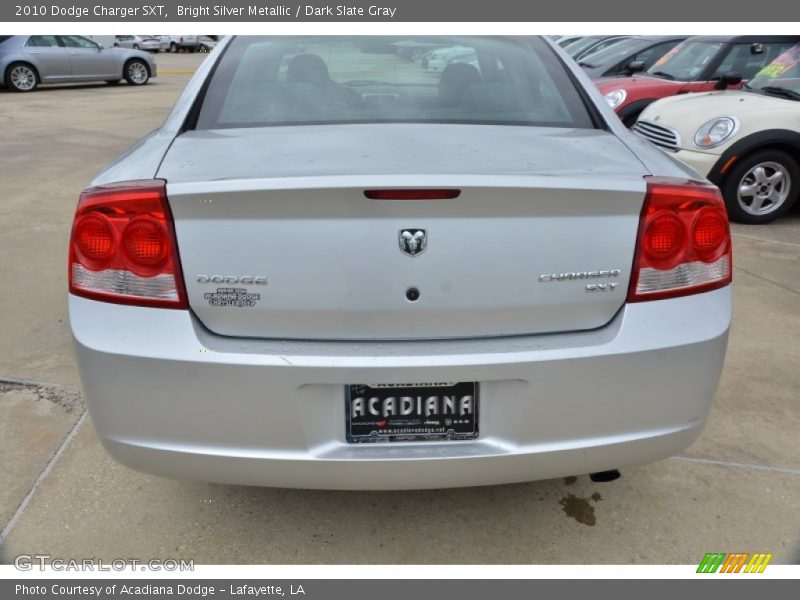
(412, 412)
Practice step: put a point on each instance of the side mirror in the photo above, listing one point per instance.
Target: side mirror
(727, 79)
(100, 47)
(635, 66)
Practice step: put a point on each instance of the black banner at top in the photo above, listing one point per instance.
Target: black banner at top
(37, 11)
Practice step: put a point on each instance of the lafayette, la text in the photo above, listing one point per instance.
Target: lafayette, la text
(282, 10)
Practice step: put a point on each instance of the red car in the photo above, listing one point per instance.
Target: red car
(701, 63)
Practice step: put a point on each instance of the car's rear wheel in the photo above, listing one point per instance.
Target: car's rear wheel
(21, 77)
(761, 187)
(173, 47)
(136, 72)
(136, 47)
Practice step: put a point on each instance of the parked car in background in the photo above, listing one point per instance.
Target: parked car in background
(187, 43)
(701, 63)
(29, 60)
(592, 43)
(746, 141)
(150, 43)
(334, 269)
(414, 50)
(628, 56)
(207, 42)
(435, 61)
(566, 40)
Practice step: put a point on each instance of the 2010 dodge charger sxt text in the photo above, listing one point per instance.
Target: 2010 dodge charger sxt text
(333, 268)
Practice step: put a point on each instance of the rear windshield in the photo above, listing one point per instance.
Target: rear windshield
(263, 81)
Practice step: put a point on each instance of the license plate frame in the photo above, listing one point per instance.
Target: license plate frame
(454, 418)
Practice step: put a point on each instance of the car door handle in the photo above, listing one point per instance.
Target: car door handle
(33, 52)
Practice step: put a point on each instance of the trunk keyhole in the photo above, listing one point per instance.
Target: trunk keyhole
(412, 294)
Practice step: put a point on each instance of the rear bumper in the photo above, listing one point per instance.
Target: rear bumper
(168, 397)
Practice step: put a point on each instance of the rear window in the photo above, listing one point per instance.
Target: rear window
(263, 81)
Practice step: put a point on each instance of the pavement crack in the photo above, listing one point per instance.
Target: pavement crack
(737, 465)
(773, 242)
(762, 278)
(45, 472)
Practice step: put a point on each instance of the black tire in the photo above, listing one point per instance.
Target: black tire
(136, 72)
(116, 45)
(173, 47)
(10, 80)
(136, 47)
(744, 174)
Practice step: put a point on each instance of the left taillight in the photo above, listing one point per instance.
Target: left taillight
(123, 247)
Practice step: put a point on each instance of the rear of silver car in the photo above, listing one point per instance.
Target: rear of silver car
(387, 305)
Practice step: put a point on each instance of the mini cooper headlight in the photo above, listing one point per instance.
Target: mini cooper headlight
(714, 132)
(616, 97)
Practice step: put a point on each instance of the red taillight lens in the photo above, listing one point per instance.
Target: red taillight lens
(94, 238)
(684, 243)
(123, 247)
(146, 244)
(664, 239)
(710, 233)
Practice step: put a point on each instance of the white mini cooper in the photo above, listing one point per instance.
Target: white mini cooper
(746, 141)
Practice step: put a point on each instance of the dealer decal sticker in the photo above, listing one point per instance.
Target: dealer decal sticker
(236, 297)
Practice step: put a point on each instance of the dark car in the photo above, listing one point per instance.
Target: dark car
(629, 56)
(699, 64)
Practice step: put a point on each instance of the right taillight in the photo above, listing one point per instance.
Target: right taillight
(684, 242)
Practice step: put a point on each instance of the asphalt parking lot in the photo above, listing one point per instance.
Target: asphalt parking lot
(736, 489)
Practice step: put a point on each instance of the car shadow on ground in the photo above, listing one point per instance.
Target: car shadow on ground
(54, 87)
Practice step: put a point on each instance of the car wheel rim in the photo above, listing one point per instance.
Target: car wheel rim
(137, 73)
(764, 188)
(23, 78)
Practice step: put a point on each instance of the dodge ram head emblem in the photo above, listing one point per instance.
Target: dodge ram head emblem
(413, 241)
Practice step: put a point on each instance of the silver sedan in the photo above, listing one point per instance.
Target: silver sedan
(150, 43)
(330, 268)
(27, 61)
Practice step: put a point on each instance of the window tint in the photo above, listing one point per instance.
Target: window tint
(264, 81)
(76, 41)
(743, 60)
(783, 72)
(580, 45)
(652, 54)
(606, 44)
(42, 41)
(611, 55)
(686, 61)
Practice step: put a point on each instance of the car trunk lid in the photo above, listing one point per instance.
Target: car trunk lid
(278, 240)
